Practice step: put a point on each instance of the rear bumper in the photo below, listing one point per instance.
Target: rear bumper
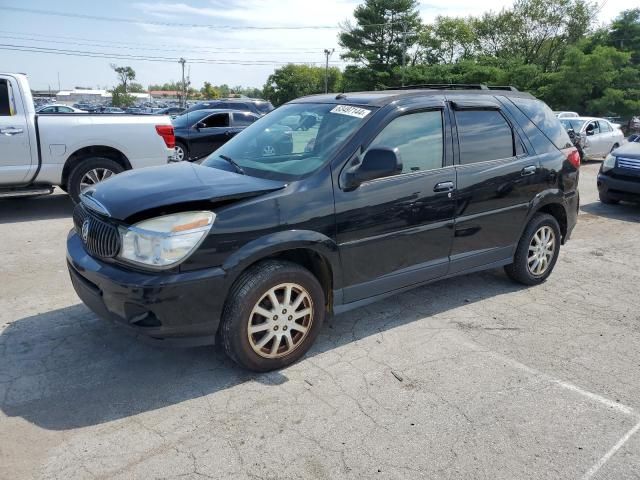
(181, 309)
(619, 189)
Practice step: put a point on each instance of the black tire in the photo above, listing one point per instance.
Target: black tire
(247, 291)
(607, 199)
(519, 271)
(86, 165)
(184, 149)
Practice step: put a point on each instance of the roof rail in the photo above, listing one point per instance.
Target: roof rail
(454, 86)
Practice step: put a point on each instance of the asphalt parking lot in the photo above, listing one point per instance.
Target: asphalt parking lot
(473, 377)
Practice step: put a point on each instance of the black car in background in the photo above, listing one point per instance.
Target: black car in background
(259, 107)
(173, 111)
(386, 191)
(619, 176)
(202, 132)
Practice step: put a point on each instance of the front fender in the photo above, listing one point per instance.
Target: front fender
(278, 242)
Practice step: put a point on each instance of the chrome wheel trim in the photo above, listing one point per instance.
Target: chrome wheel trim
(280, 321)
(94, 176)
(179, 153)
(541, 251)
(268, 151)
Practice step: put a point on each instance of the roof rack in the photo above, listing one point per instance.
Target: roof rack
(455, 86)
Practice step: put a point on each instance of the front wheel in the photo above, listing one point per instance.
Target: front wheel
(537, 251)
(89, 172)
(273, 315)
(181, 152)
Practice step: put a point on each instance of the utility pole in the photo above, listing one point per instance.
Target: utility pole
(327, 54)
(59, 82)
(404, 50)
(183, 100)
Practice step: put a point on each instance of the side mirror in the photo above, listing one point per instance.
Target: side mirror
(379, 162)
(589, 131)
(200, 125)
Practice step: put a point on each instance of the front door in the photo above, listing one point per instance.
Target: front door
(396, 231)
(15, 149)
(497, 180)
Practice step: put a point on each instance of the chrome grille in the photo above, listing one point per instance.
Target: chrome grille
(629, 163)
(102, 238)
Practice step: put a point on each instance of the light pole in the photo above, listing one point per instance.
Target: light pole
(183, 101)
(327, 54)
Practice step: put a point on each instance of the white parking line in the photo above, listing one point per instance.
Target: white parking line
(605, 458)
(569, 386)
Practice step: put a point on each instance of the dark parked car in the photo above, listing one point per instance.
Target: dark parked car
(201, 132)
(173, 111)
(387, 191)
(259, 107)
(619, 176)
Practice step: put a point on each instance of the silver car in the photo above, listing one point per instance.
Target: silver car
(598, 137)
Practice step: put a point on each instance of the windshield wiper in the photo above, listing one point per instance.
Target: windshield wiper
(234, 163)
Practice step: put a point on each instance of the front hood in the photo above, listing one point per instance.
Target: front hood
(149, 188)
(630, 150)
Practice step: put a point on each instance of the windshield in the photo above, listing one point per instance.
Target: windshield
(572, 123)
(292, 141)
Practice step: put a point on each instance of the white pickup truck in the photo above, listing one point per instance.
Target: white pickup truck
(71, 151)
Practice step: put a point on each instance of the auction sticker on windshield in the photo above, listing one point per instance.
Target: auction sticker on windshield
(351, 111)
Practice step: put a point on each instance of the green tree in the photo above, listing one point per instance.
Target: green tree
(135, 88)
(125, 75)
(383, 32)
(208, 91)
(293, 81)
(120, 97)
(625, 34)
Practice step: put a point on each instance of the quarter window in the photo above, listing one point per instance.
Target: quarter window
(418, 137)
(483, 135)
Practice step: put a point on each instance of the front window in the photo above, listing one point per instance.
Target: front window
(292, 141)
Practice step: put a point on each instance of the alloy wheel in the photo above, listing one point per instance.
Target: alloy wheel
(94, 176)
(541, 250)
(280, 320)
(179, 153)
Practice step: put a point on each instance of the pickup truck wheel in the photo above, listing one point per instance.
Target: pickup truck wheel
(89, 172)
(537, 251)
(273, 315)
(181, 152)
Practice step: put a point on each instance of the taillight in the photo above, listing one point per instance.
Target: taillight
(573, 156)
(166, 132)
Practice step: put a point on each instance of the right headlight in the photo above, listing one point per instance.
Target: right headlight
(164, 242)
(609, 163)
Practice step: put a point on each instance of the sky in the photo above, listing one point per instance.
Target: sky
(226, 51)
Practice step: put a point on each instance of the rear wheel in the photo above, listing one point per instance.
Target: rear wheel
(181, 152)
(89, 172)
(273, 315)
(537, 251)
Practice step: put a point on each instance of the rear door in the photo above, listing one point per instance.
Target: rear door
(15, 147)
(396, 231)
(497, 179)
(214, 132)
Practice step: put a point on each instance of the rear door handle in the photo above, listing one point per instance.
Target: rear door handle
(443, 187)
(8, 131)
(530, 170)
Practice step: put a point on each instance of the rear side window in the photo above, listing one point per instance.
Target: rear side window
(243, 119)
(483, 135)
(542, 116)
(7, 101)
(418, 137)
(217, 120)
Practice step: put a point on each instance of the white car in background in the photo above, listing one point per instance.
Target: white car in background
(566, 114)
(58, 108)
(598, 137)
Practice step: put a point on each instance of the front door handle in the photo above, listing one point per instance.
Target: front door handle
(443, 187)
(530, 170)
(8, 131)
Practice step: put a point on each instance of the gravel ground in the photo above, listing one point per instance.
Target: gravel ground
(469, 378)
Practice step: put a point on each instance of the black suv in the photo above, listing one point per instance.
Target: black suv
(387, 190)
(619, 176)
(259, 107)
